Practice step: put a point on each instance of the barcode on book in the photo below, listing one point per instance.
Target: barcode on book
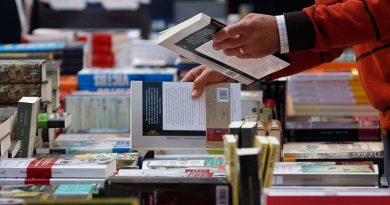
(222, 195)
(222, 94)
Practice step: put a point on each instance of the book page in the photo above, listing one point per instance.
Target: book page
(180, 110)
(256, 67)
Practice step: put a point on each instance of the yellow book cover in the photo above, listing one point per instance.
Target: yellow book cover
(230, 146)
(262, 143)
(275, 129)
(273, 151)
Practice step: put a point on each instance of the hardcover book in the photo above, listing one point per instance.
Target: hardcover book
(164, 115)
(26, 124)
(193, 39)
(22, 71)
(57, 168)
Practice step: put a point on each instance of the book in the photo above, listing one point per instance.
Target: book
(164, 115)
(171, 190)
(120, 79)
(10, 94)
(14, 148)
(49, 181)
(326, 175)
(26, 124)
(261, 142)
(31, 47)
(193, 39)
(231, 169)
(300, 131)
(57, 168)
(325, 196)
(85, 147)
(272, 157)
(7, 120)
(331, 147)
(100, 201)
(74, 191)
(5, 144)
(74, 137)
(248, 133)
(235, 128)
(54, 120)
(210, 163)
(249, 179)
(22, 71)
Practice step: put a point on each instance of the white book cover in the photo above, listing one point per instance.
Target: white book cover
(193, 39)
(57, 168)
(71, 137)
(164, 114)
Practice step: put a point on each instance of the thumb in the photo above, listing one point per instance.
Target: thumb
(200, 83)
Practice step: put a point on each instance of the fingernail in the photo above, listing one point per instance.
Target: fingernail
(194, 93)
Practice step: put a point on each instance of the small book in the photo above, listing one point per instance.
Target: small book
(249, 178)
(54, 120)
(193, 39)
(57, 168)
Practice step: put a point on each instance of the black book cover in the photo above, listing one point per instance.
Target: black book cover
(248, 133)
(249, 188)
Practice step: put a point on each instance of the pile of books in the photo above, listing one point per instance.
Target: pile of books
(106, 48)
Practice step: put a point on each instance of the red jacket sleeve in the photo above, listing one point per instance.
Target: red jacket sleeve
(303, 60)
(338, 23)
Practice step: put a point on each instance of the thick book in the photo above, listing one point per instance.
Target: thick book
(172, 190)
(326, 175)
(7, 120)
(300, 131)
(85, 147)
(22, 71)
(249, 179)
(326, 196)
(248, 133)
(57, 168)
(10, 94)
(54, 120)
(193, 39)
(164, 115)
(120, 79)
(26, 124)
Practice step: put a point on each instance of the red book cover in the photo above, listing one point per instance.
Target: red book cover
(102, 48)
(103, 65)
(103, 58)
(102, 38)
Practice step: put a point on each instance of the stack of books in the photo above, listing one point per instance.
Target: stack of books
(106, 47)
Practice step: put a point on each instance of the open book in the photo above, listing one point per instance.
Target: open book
(193, 39)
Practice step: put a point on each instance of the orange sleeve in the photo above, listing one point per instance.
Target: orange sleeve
(344, 23)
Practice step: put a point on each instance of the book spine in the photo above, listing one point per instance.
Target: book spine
(335, 134)
(272, 157)
(10, 94)
(247, 136)
(249, 179)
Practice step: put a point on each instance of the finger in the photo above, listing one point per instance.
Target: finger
(193, 74)
(231, 43)
(246, 56)
(200, 83)
(229, 32)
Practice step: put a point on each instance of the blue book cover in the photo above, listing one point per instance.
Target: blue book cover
(31, 47)
(74, 189)
(120, 79)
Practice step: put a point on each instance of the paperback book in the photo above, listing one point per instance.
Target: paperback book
(193, 40)
(22, 71)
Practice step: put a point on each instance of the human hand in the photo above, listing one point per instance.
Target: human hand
(254, 36)
(202, 76)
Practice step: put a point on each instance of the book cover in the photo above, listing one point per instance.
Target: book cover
(172, 190)
(54, 120)
(10, 94)
(326, 175)
(170, 118)
(261, 142)
(74, 137)
(49, 181)
(85, 147)
(235, 128)
(231, 169)
(193, 39)
(272, 158)
(22, 71)
(109, 79)
(26, 124)
(249, 178)
(31, 47)
(57, 168)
